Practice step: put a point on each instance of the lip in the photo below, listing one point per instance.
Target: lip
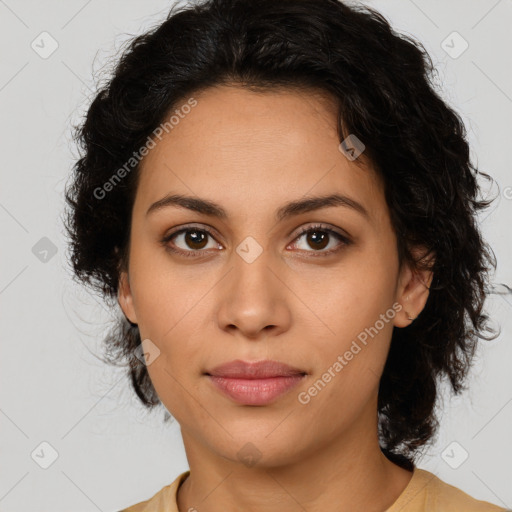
(239, 369)
(255, 383)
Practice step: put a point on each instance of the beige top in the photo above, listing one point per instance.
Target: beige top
(425, 492)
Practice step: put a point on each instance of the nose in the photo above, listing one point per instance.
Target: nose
(254, 300)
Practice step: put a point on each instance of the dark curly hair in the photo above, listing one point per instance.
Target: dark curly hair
(382, 84)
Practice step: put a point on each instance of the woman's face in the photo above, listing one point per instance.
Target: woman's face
(247, 285)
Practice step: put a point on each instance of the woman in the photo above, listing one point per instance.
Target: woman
(284, 210)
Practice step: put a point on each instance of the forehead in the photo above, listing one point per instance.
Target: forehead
(238, 146)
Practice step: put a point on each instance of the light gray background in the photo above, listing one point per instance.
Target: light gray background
(110, 452)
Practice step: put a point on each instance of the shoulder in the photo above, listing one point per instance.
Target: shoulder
(448, 497)
(427, 492)
(163, 501)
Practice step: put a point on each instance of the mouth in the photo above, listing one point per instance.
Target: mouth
(255, 370)
(256, 383)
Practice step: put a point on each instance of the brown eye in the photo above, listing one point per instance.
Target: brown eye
(317, 238)
(195, 239)
(189, 241)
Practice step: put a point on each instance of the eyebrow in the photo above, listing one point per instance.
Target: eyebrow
(288, 210)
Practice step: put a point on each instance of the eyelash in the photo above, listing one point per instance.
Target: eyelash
(317, 227)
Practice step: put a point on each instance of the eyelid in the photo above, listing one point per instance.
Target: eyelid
(320, 226)
(200, 227)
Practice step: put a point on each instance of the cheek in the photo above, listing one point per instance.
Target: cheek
(356, 305)
(350, 297)
(163, 292)
(177, 370)
(349, 364)
(167, 303)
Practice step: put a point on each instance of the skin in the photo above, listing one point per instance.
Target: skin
(251, 153)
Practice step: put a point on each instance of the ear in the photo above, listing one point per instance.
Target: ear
(413, 290)
(125, 298)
